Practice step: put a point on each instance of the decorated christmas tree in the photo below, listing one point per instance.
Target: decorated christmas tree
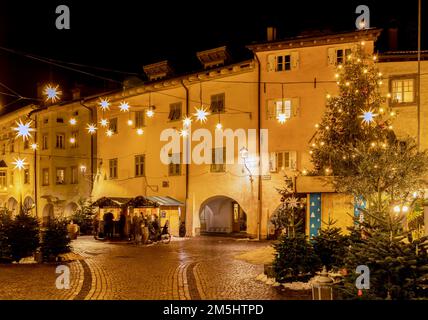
(356, 144)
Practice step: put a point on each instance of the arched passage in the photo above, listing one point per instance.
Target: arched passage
(12, 205)
(70, 208)
(48, 213)
(28, 204)
(222, 214)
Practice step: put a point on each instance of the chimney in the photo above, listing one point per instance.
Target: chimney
(271, 33)
(393, 39)
(75, 93)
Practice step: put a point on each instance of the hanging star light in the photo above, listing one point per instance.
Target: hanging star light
(124, 106)
(130, 122)
(73, 121)
(219, 126)
(104, 122)
(292, 202)
(187, 121)
(52, 93)
(201, 114)
(109, 133)
(92, 128)
(104, 104)
(368, 117)
(281, 118)
(23, 129)
(184, 133)
(19, 163)
(150, 113)
(140, 131)
(34, 146)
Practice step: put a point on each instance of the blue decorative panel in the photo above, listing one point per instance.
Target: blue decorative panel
(359, 203)
(314, 214)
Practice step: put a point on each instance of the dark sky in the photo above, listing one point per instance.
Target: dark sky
(127, 34)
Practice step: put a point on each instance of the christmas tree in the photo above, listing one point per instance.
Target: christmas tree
(356, 144)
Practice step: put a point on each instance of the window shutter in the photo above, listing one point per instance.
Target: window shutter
(295, 60)
(272, 162)
(279, 160)
(293, 160)
(270, 109)
(295, 107)
(331, 56)
(271, 63)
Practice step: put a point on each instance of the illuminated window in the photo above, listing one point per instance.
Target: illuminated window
(60, 175)
(283, 107)
(74, 175)
(27, 176)
(403, 90)
(175, 111)
(60, 141)
(45, 176)
(282, 160)
(139, 119)
(217, 103)
(218, 160)
(174, 168)
(3, 181)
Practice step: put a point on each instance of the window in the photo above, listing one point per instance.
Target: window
(74, 175)
(60, 175)
(26, 176)
(11, 146)
(217, 102)
(45, 176)
(26, 144)
(139, 119)
(174, 168)
(113, 125)
(113, 168)
(3, 181)
(60, 141)
(45, 120)
(282, 160)
(11, 178)
(403, 90)
(45, 142)
(60, 120)
(218, 158)
(139, 165)
(338, 55)
(288, 107)
(283, 62)
(74, 135)
(3, 149)
(174, 111)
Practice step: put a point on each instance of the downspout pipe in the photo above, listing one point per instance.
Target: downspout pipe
(91, 115)
(186, 89)
(259, 189)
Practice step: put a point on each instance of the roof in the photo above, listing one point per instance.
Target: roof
(409, 55)
(111, 202)
(165, 201)
(318, 40)
(3, 164)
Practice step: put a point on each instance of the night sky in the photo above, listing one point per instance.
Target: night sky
(124, 35)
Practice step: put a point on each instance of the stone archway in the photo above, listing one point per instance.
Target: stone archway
(12, 205)
(28, 204)
(222, 214)
(70, 208)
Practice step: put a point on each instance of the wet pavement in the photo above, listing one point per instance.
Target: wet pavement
(189, 268)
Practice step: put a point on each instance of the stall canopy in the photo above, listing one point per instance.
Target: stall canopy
(111, 202)
(142, 202)
(166, 201)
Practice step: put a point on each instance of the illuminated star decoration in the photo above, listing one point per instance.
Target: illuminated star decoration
(140, 131)
(109, 133)
(104, 122)
(368, 117)
(23, 129)
(19, 163)
(52, 93)
(184, 133)
(104, 104)
(201, 114)
(73, 121)
(150, 113)
(281, 118)
(92, 128)
(34, 146)
(187, 121)
(124, 106)
(293, 202)
(219, 126)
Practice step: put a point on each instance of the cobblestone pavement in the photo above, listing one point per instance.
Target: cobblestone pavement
(192, 268)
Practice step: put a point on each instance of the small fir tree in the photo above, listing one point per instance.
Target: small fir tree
(55, 239)
(23, 236)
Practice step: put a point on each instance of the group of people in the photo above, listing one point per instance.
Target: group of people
(140, 228)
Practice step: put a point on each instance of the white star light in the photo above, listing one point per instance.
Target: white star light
(150, 113)
(104, 104)
(201, 114)
(73, 121)
(92, 128)
(293, 202)
(140, 131)
(184, 133)
(368, 117)
(187, 121)
(52, 93)
(104, 122)
(109, 133)
(281, 118)
(124, 106)
(19, 163)
(23, 129)
(219, 126)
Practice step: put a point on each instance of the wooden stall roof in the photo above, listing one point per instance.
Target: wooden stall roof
(142, 202)
(166, 201)
(111, 202)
